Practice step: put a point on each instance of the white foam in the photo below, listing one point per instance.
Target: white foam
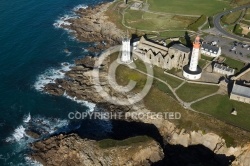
(18, 134)
(31, 162)
(26, 118)
(85, 50)
(44, 125)
(50, 75)
(78, 7)
(49, 125)
(90, 105)
(64, 20)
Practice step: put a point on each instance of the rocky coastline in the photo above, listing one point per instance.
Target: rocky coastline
(93, 25)
(70, 149)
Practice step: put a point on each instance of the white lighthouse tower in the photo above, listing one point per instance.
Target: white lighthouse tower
(126, 50)
(193, 71)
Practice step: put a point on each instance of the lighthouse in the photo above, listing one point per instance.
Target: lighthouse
(193, 71)
(126, 50)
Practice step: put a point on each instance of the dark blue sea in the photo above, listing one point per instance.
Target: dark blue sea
(32, 53)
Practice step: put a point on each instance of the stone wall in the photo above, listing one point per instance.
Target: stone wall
(240, 98)
(161, 56)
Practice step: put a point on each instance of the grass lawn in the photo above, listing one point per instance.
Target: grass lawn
(206, 57)
(247, 16)
(195, 7)
(240, 2)
(237, 65)
(220, 107)
(231, 18)
(245, 22)
(160, 99)
(159, 73)
(155, 22)
(124, 74)
(202, 63)
(169, 34)
(172, 81)
(114, 16)
(190, 92)
(206, 26)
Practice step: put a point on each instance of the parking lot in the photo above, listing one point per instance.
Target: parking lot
(231, 48)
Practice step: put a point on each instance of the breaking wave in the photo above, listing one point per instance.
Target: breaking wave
(42, 126)
(64, 20)
(91, 106)
(50, 75)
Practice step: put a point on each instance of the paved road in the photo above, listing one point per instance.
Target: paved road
(217, 24)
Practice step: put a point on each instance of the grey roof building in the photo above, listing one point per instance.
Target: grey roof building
(210, 50)
(181, 47)
(225, 70)
(240, 93)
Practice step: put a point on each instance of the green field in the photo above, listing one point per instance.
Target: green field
(159, 73)
(172, 81)
(202, 63)
(206, 57)
(161, 99)
(220, 107)
(190, 92)
(192, 7)
(168, 34)
(156, 22)
(240, 2)
(231, 18)
(237, 65)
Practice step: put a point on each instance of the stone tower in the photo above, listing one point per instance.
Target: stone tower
(193, 71)
(195, 54)
(126, 50)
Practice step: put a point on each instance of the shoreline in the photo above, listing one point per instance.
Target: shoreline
(92, 25)
(79, 85)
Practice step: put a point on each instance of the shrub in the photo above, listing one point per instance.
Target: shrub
(237, 29)
(211, 21)
(199, 22)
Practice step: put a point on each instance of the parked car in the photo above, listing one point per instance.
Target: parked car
(244, 45)
(234, 48)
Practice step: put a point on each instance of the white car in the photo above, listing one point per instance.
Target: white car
(245, 45)
(234, 48)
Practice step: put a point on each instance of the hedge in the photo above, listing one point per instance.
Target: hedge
(199, 22)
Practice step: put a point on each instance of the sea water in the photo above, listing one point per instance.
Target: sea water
(32, 54)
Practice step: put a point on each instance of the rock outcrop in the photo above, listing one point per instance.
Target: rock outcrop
(92, 25)
(75, 151)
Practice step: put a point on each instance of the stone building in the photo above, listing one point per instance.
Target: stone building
(241, 87)
(176, 56)
(240, 93)
(225, 70)
(210, 50)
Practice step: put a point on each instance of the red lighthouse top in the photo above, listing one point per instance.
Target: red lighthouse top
(196, 43)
